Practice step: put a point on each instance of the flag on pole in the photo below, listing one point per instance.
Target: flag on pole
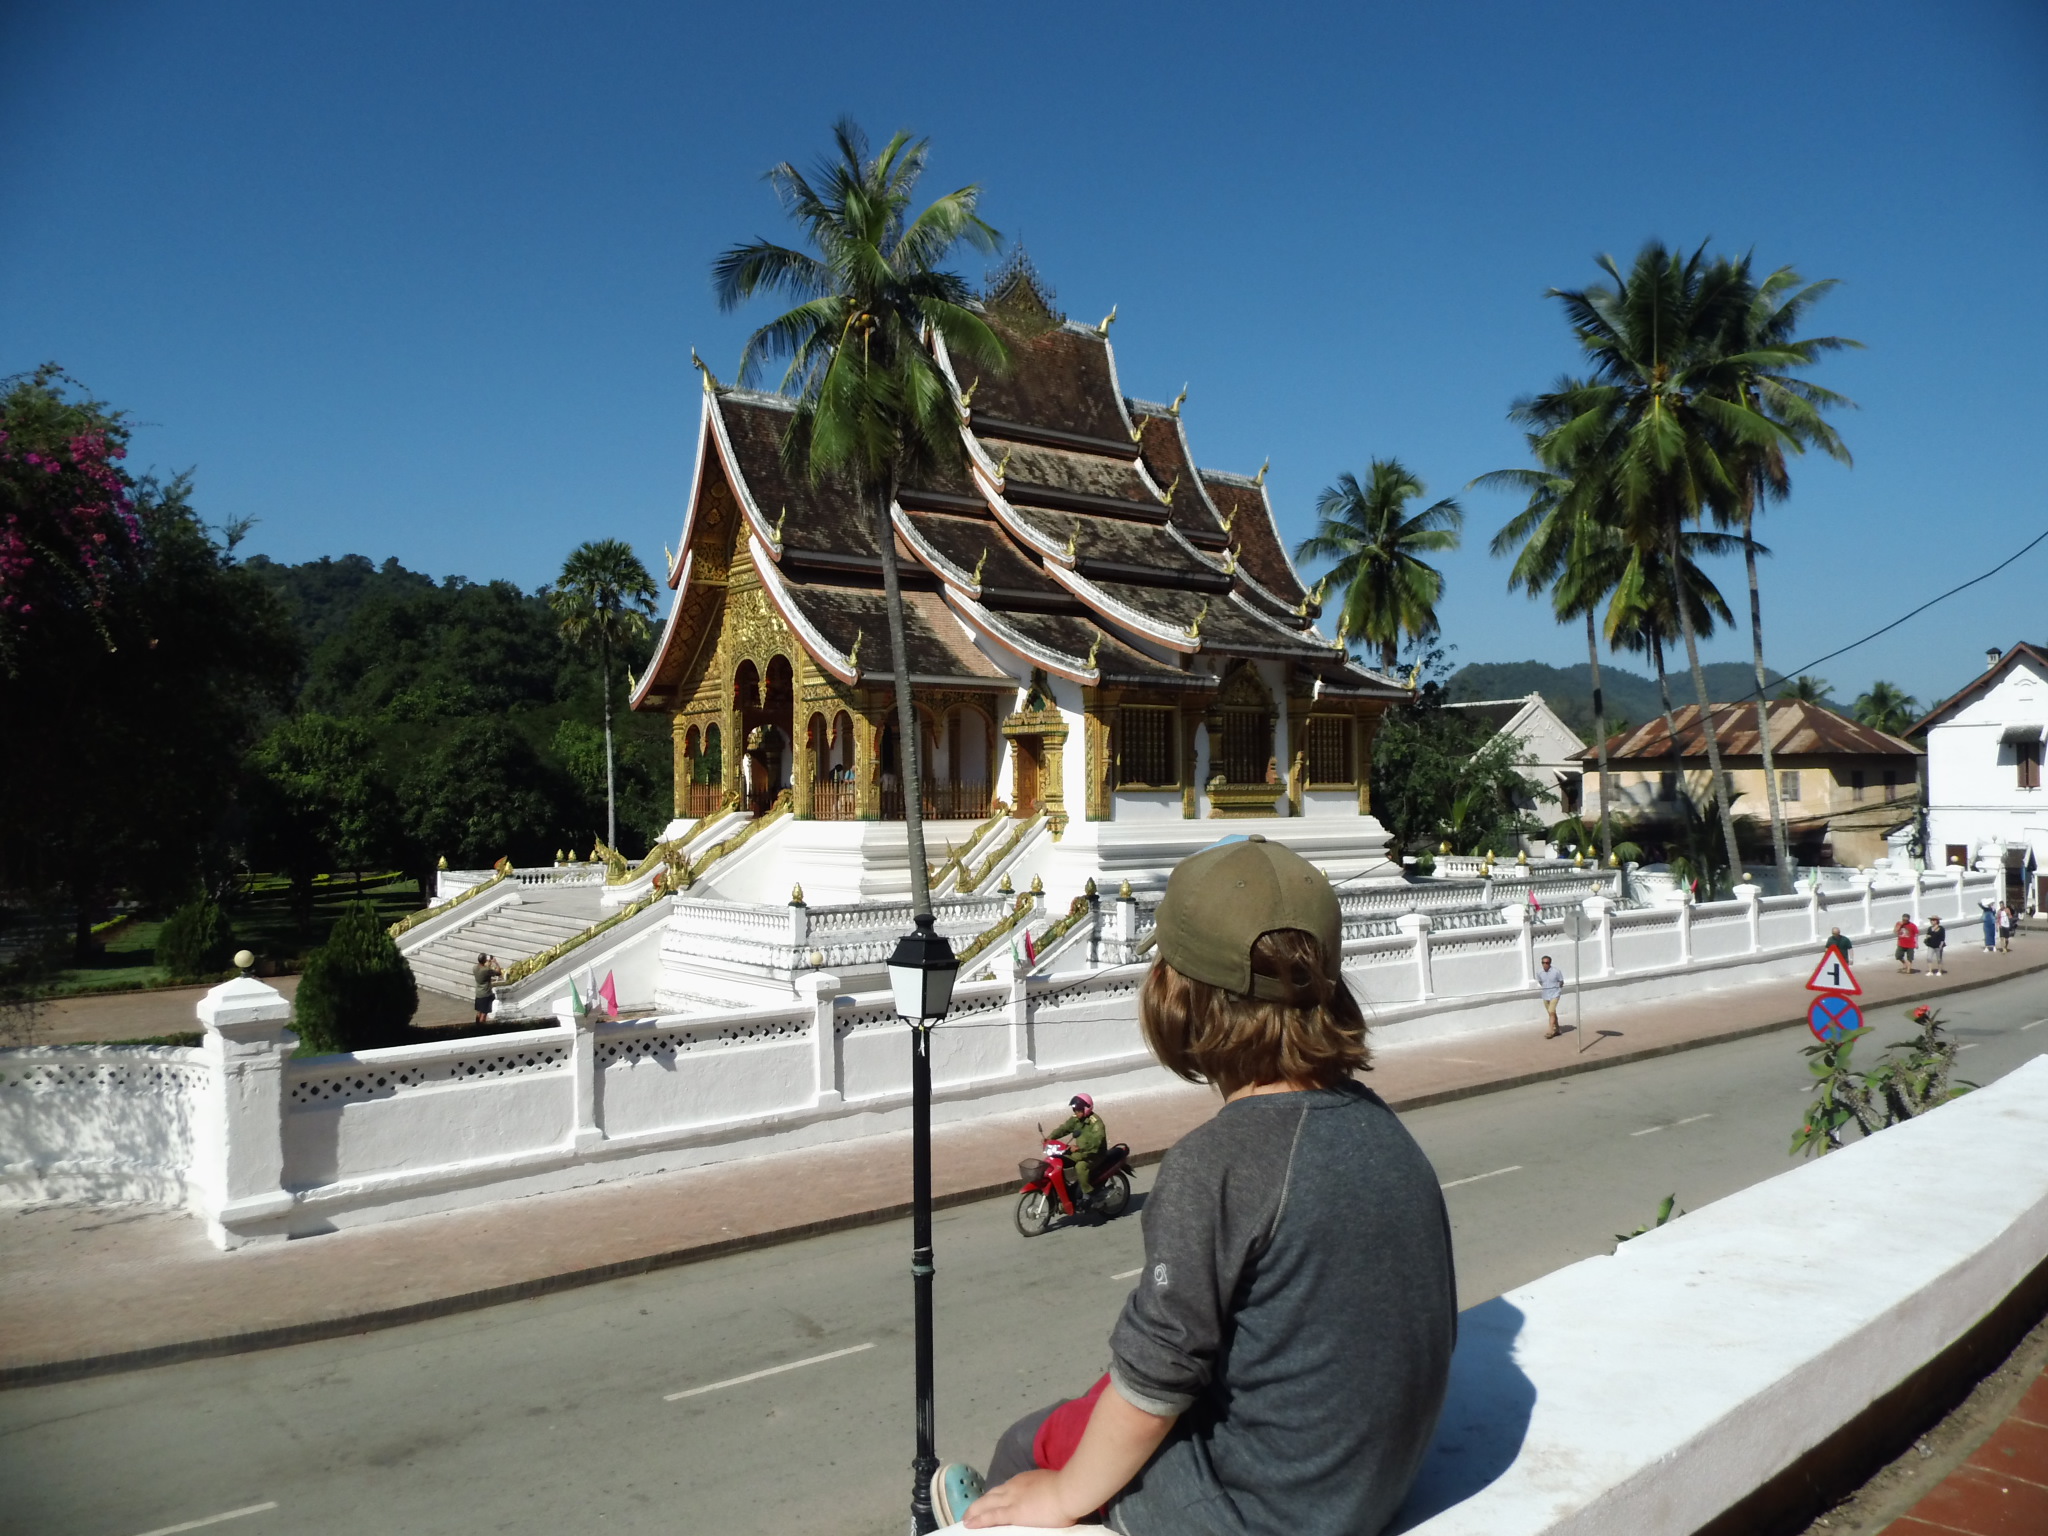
(575, 998)
(610, 993)
(1534, 904)
(1030, 949)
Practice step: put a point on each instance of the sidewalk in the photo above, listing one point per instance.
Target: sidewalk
(121, 1288)
(117, 1016)
(2001, 1488)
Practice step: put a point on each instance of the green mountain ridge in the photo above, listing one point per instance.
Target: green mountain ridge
(1630, 696)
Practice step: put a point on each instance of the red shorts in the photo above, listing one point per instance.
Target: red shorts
(1060, 1435)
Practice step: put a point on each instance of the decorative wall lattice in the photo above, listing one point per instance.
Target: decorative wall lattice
(382, 1081)
(667, 1044)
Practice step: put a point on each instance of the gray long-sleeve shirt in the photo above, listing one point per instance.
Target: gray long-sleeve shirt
(1297, 1311)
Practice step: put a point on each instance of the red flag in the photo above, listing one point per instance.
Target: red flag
(610, 993)
(1534, 904)
(1030, 949)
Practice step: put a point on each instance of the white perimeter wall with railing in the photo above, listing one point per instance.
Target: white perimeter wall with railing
(267, 1145)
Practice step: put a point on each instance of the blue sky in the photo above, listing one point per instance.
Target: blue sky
(423, 280)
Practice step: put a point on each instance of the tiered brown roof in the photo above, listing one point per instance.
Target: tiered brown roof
(1798, 729)
(1077, 534)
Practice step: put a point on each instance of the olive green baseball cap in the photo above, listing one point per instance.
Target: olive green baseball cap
(1219, 902)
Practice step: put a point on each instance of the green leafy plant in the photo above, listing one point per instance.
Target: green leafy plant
(357, 992)
(1913, 1077)
(195, 943)
(1666, 1210)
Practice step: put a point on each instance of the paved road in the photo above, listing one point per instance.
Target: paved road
(561, 1415)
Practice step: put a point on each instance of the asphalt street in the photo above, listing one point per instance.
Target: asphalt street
(770, 1391)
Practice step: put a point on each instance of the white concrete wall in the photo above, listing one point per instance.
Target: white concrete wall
(307, 1144)
(1644, 1394)
(1973, 793)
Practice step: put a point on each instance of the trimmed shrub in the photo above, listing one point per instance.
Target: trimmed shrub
(195, 943)
(356, 993)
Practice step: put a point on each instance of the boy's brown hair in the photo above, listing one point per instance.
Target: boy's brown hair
(1313, 1032)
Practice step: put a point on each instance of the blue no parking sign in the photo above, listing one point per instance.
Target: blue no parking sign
(1833, 1018)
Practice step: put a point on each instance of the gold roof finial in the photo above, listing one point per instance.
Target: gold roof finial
(1230, 521)
(853, 656)
(1230, 561)
(1174, 409)
(1167, 494)
(1107, 321)
(1073, 540)
(1260, 477)
(796, 895)
(1003, 467)
(1343, 632)
(710, 379)
(981, 565)
(1094, 650)
(1195, 629)
(1138, 431)
(778, 527)
(671, 562)
(967, 394)
(1316, 596)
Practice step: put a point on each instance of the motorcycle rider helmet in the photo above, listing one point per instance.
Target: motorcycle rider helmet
(1081, 1104)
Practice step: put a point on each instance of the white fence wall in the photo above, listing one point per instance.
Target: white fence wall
(267, 1146)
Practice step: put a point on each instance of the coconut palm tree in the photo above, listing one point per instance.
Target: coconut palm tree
(604, 597)
(1658, 422)
(1760, 354)
(872, 403)
(1564, 545)
(1386, 589)
(1806, 688)
(1888, 708)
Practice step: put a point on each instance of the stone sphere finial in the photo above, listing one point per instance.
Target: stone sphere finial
(244, 961)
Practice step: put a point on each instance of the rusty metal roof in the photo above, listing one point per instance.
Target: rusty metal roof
(1798, 729)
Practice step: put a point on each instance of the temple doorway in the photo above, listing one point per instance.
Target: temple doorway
(1028, 756)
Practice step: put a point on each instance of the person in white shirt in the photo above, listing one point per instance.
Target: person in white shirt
(1550, 987)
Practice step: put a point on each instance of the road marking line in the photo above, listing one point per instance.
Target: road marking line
(773, 1370)
(1673, 1125)
(1971, 1046)
(193, 1525)
(1129, 1273)
(2035, 1025)
(1517, 1168)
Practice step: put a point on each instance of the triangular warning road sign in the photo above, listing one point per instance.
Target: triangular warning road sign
(1833, 975)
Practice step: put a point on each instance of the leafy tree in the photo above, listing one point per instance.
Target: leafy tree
(357, 993)
(603, 597)
(196, 943)
(873, 406)
(320, 802)
(1912, 1078)
(482, 794)
(1759, 354)
(1888, 708)
(1386, 590)
(130, 707)
(1807, 688)
(1441, 775)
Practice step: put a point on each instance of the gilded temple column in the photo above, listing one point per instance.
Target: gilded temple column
(1190, 791)
(867, 765)
(1363, 729)
(1099, 756)
(803, 761)
(678, 731)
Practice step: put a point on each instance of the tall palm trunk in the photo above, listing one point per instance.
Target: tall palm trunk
(907, 740)
(611, 791)
(1600, 735)
(1699, 683)
(1670, 717)
(1781, 845)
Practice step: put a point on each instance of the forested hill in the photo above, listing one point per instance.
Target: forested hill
(1630, 697)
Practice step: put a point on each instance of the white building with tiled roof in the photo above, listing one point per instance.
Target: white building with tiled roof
(1985, 800)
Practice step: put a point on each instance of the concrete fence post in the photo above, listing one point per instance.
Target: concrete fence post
(1601, 911)
(820, 989)
(1126, 924)
(1683, 902)
(1750, 895)
(1919, 905)
(799, 921)
(240, 1158)
(584, 1131)
(1866, 882)
(1813, 910)
(1518, 917)
(1416, 924)
(1018, 1009)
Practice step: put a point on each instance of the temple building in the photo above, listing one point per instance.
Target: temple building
(1109, 648)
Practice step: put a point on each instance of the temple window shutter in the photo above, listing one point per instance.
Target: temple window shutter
(1329, 749)
(1145, 755)
(1247, 746)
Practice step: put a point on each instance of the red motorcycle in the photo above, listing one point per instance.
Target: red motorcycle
(1050, 1186)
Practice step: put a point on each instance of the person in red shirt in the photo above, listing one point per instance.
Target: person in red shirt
(1907, 934)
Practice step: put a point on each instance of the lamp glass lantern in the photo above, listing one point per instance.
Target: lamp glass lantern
(922, 972)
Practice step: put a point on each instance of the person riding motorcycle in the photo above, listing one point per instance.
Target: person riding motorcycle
(1085, 1135)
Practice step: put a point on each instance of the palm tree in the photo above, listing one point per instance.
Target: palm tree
(1760, 353)
(1888, 708)
(1661, 417)
(1806, 688)
(1562, 545)
(872, 403)
(1387, 590)
(605, 597)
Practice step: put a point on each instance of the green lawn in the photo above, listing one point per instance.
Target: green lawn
(260, 912)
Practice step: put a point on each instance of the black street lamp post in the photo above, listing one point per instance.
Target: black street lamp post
(921, 974)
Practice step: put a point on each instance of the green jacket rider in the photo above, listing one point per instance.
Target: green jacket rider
(1084, 1133)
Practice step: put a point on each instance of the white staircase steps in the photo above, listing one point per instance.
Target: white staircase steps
(543, 918)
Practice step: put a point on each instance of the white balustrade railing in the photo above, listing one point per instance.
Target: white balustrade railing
(301, 1145)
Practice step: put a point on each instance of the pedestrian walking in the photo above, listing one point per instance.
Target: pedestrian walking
(1550, 987)
(1990, 926)
(2007, 919)
(1905, 940)
(1936, 941)
(1841, 944)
